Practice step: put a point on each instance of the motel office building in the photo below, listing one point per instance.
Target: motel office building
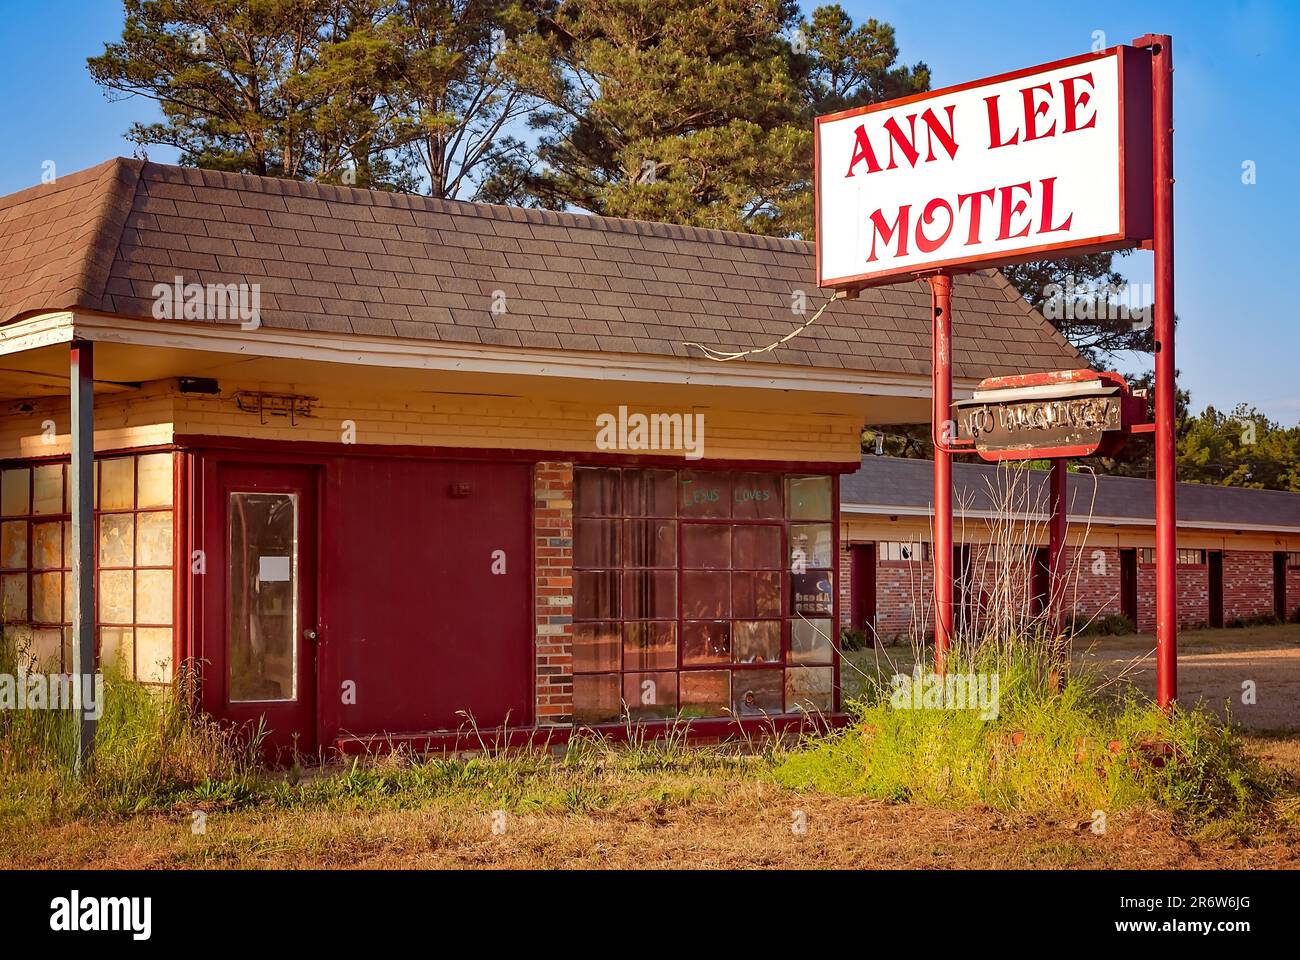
(378, 510)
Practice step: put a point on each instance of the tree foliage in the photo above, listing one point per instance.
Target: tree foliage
(405, 94)
(690, 112)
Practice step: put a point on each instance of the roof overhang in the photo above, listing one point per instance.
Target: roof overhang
(192, 345)
(885, 510)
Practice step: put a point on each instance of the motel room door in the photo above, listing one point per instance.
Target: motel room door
(1215, 559)
(260, 624)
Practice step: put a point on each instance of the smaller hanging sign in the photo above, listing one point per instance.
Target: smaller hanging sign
(1071, 413)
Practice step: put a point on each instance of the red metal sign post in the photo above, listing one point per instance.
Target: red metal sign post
(941, 376)
(1162, 120)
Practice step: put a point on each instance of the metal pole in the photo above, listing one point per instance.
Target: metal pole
(941, 295)
(81, 496)
(1056, 545)
(1162, 104)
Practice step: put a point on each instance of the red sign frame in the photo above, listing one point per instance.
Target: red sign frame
(1135, 159)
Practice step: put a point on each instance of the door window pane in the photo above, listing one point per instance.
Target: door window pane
(13, 544)
(595, 595)
(704, 494)
(649, 594)
(47, 597)
(596, 646)
(47, 546)
(756, 594)
(263, 601)
(810, 498)
(756, 496)
(706, 693)
(597, 698)
(810, 543)
(706, 545)
(595, 543)
(650, 696)
(153, 538)
(706, 595)
(809, 688)
(756, 692)
(595, 492)
(755, 547)
(15, 492)
(812, 592)
(47, 488)
(116, 539)
(155, 480)
(757, 641)
(15, 597)
(810, 641)
(650, 645)
(650, 543)
(706, 641)
(649, 493)
(117, 484)
(116, 596)
(153, 596)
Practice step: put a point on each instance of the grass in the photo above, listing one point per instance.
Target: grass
(1066, 753)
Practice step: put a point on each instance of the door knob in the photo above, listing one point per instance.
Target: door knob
(309, 634)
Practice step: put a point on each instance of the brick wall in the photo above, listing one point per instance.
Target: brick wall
(1093, 587)
(1292, 590)
(1092, 581)
(904, 589)
(1193, 595)
(1247, 584)
(553, 573)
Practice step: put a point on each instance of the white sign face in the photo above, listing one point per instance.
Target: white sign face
(1003, 169)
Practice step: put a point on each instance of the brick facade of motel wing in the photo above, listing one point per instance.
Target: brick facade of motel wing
(1239, 549)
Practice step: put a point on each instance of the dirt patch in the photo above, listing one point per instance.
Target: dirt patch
(753, 825)
(1224, 670)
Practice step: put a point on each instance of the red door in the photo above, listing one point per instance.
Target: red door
(260, 602)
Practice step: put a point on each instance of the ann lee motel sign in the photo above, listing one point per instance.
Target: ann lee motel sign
(1055, 158)
(1066, 158)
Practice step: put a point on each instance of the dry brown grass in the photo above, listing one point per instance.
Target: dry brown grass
(722, 821)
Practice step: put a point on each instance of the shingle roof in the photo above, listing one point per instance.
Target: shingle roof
(903, 483)
(343, 259)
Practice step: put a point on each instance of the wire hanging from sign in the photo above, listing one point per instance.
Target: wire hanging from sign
(722, 357)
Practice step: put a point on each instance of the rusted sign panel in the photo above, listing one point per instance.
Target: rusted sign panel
(1065, 414)
(1029, 425)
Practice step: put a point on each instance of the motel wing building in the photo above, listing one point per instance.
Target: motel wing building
(347, 465)
(1238, 549)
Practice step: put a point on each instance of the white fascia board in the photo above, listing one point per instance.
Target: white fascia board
(439, 355)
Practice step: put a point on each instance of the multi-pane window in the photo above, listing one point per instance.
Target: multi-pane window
(902, 551)
(1185, 557)
(1293, 559)
(701, 594)
(134, 557)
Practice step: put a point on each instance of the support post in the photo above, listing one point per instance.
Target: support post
(1162, 110)
(82, 505)
(1056, 546)
(941, 298)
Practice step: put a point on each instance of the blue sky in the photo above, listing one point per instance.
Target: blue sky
(1235, 100)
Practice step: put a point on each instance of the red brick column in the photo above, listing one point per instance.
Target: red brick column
(846, 581)
(553, 579)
